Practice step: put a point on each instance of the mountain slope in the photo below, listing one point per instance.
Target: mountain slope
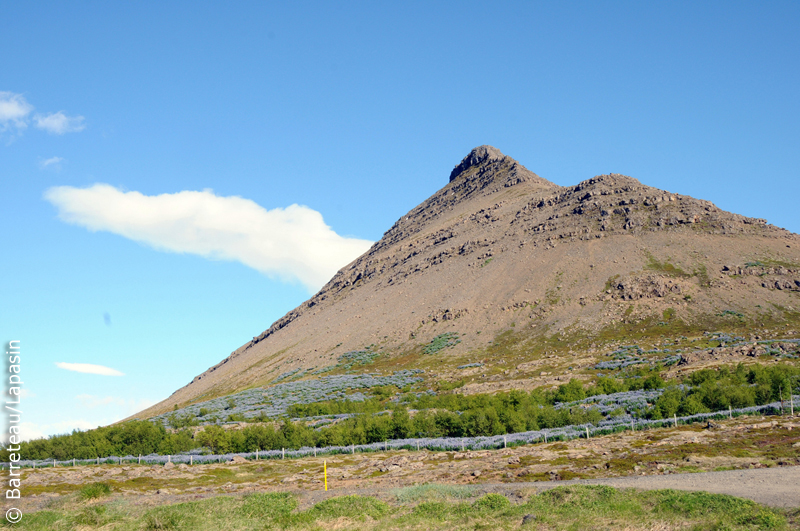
(513, 264)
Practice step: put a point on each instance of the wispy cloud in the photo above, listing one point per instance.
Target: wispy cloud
(53, 163)
(15, 113)
(14, 110)
(288, 243)
(89, 368)
(59, 123)
(26, 393)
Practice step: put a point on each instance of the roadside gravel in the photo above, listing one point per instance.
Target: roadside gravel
(774, 487)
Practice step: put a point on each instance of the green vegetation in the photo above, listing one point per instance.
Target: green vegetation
(666, 268)
(95, 490)
(441, 342)
(610, 282)
(131, 438)
(715, 390)
(568, 507)
(432, 491)
(444, 415)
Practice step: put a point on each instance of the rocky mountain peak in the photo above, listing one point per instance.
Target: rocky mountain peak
(476, 157)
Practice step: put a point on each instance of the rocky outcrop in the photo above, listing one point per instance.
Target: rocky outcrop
(646, 287)
(772, 277)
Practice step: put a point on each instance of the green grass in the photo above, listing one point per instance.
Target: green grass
(95, 490)
(665, 267)
(434, 491)
(571, 507)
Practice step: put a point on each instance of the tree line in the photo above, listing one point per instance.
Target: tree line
(445, 415)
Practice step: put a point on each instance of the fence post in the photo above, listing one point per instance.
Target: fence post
(54, 463)
(283, 453)
(98, 460)
(676, 419)
(140, 459)
(505, 442)
(587, 432)
(730, 412)
(315, 451)
(545, 437)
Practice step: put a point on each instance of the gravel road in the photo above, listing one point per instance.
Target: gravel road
(774, 487)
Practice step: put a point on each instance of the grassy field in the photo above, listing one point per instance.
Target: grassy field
(428, 507)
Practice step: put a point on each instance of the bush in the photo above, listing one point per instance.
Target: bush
(492, 502)
(442, 341)
(95, 490)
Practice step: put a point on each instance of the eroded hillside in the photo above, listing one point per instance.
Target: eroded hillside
(506, 268)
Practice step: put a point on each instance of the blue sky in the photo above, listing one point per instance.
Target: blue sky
(176, 176)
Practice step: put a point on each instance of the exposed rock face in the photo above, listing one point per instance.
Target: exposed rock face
(780, 277)
(646, 287)
(476, 157)
(500, 245)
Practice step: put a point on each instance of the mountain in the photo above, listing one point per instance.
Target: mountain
(530, 279)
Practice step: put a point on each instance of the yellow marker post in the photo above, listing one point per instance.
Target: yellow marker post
(325, 467)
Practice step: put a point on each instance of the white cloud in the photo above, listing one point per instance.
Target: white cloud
(59, 123)
(25, 393)
(52, 162)
(13, 110)
(287, 243)
(89, 368)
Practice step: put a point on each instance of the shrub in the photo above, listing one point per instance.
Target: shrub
(95, 490)
(440, 342)
(492, 502)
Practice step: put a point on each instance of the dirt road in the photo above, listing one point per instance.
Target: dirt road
(776, 487)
